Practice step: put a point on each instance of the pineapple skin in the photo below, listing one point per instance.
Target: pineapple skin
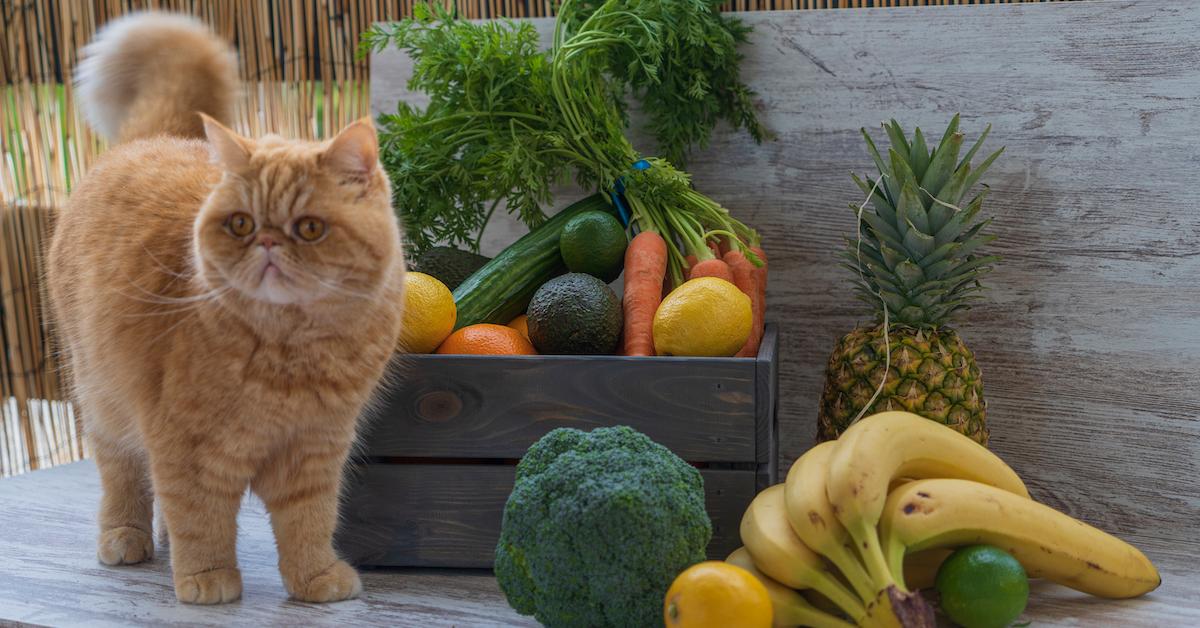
(933, 374)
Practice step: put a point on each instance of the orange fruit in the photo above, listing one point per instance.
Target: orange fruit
(487, 339)
(521, 324)
(713, 594)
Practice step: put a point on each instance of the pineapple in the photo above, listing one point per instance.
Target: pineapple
(919, 257)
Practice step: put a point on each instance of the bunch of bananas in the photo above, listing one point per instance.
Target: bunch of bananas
(863, 522)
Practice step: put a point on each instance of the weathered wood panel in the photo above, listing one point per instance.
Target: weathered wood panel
(496, 407)
(401, 515)
(1090, 341)
(49, 575)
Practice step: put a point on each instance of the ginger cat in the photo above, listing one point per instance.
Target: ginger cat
(226, 307)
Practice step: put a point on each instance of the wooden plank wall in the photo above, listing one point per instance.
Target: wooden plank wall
(1090, 339)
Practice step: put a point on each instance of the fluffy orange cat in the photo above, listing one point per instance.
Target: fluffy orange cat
(226, 306)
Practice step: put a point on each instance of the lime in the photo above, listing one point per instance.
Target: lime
(593, 243)
(982, 586)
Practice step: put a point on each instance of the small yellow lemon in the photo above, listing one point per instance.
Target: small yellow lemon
(703, 317)
(713, 594)
(429, 313)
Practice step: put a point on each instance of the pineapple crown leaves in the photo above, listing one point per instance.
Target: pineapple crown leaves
(918, 246)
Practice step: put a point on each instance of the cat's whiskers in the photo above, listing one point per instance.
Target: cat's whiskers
(162, 299)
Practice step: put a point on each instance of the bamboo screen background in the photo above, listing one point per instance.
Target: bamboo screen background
(301, 80)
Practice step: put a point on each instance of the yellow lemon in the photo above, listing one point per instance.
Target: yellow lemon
(703, 317)
(713, 594)
(429, 313)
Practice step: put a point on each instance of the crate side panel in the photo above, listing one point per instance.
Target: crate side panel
(417, 515)
(467, 407)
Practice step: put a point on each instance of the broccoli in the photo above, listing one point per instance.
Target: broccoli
(597, 527)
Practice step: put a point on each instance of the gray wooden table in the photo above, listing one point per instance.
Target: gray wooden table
(49, 576)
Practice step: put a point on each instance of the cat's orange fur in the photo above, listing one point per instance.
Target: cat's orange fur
(203, 362)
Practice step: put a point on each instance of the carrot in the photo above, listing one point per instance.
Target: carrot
(758, 300)
(715, 248)
(691, 261)
(723, 246)
(712, 268)
(645, 272)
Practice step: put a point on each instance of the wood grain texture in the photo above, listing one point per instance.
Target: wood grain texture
(1089, 341)
(448, 515)
(449, 406)
(49, 576)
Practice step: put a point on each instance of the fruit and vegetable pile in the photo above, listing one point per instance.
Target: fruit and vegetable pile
(507, 121)
(609, 528)
(901, 494)
(548, 293)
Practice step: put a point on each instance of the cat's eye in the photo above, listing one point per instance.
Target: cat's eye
(240, 224)
(309, 229)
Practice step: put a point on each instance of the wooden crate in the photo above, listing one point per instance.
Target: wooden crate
(438, 461)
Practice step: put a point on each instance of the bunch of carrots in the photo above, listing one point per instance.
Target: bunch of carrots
(647, 282)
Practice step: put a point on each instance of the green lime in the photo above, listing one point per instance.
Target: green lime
(594, 243)
(982, 586)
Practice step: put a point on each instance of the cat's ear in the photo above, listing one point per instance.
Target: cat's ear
(354, 151)
(230, 149)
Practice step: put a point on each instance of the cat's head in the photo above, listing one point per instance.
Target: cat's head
(294, 222)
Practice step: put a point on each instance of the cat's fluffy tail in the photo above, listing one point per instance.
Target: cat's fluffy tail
(149, 74)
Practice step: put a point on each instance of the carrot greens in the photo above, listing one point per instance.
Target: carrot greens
(506, 121)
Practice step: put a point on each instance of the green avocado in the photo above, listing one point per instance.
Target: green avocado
(449, 265)
(575, 314)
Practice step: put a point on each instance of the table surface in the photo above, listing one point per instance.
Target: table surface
(49, 576)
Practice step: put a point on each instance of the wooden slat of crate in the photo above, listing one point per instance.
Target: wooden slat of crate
(448, 515)
(705, 410)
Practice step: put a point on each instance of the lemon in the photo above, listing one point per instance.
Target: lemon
(703, 317)
(713, 594)
(429, 313)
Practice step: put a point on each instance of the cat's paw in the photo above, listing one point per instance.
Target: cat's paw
(125, 546)
(216, 586)
(337, 582)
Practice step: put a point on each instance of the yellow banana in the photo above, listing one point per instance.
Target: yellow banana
(1049, 544)
(812, 518)
(920, 568)
(790, 608)
(781, 555)
(890, 445)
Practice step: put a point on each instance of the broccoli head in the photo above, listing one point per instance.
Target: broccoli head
(597, 527)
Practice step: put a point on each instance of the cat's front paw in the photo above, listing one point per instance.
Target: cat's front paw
(216, 586)
(337, 582)
(125, 546)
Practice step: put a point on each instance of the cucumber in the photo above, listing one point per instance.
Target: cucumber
(501, 290)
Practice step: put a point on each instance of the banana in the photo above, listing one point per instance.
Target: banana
(791, 609)
(947, 513)
(920, 568)
(891, 445)
(778, 553)
(812, 518)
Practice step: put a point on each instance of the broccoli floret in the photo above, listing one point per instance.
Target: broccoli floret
(597, 527)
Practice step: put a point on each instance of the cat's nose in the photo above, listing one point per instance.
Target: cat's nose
(266, 241)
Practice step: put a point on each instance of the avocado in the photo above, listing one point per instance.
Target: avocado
(575, 314)
(449, 265)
